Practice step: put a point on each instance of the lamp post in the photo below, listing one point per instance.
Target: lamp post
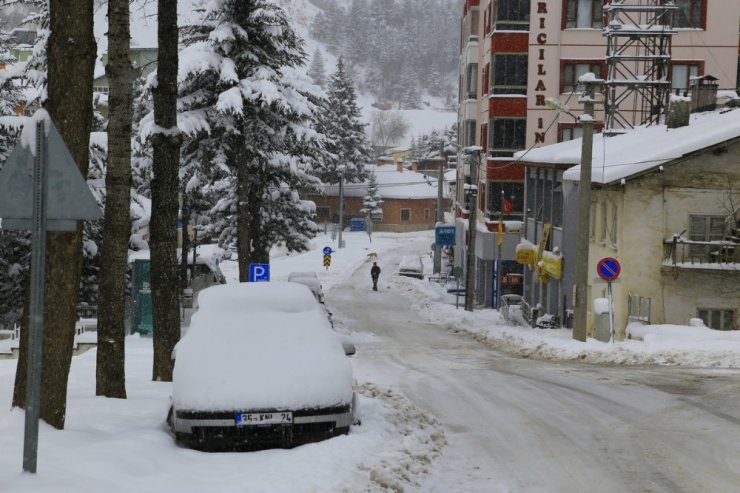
(474, 153)
(584, 209)
(341, 204)
(437, 265)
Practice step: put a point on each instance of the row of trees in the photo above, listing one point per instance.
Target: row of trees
(242, 134)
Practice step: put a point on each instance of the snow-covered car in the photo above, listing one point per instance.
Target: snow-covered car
(310, 279)
(411, 266)
(260, 367)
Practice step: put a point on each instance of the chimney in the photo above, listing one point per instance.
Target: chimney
(704, 93)
(678, 112)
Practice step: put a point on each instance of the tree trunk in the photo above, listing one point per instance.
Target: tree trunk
(110, 374)
(165, 186)
(243, 217)
(71, 58)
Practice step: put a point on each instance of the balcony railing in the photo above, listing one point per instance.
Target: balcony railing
(719, 254)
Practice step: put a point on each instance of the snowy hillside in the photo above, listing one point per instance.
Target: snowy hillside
(432, 114)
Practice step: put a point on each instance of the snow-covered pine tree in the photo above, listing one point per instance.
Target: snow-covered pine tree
(14, 245)
(340, 123)
(371, 202)
(248, 114)
(317, 70)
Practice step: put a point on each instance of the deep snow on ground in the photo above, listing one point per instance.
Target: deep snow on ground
(116, 445)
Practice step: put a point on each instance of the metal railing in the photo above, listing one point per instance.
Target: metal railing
(679, 251)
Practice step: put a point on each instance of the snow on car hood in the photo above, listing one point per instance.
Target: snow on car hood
(260, 345)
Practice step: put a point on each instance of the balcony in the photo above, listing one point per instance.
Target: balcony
(711, 255)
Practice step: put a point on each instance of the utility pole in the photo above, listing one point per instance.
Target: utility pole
(499, 261)
(584, 211)
(472, 225)
(341, 205)
(437, 267)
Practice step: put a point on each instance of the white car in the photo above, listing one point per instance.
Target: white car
(411, 266)
(310, 279)
(260, 367)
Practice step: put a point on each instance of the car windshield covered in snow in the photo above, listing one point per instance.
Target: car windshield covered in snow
(411, 266)
(259, 367)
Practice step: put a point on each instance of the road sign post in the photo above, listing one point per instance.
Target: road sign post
(28, 202)
(609, 269)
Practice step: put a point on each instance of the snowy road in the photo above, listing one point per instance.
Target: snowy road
(518, 425)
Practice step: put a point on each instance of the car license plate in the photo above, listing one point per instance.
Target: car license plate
(275, 418)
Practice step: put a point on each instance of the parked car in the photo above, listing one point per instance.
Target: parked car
(411, 266)
(310, 279)
(260, 367)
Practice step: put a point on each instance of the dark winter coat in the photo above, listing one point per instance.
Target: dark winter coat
(375, 272)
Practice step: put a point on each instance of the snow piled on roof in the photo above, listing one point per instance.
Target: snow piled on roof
(393, 184)
(641, 149)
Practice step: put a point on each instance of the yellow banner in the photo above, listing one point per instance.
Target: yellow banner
(552, 266)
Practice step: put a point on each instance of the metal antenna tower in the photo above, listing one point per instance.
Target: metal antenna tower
(638, 57)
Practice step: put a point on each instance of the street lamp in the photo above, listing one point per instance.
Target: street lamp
(340, 168)
(584, 208)
(474, 156)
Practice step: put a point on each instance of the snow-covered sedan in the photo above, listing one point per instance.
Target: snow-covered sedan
(259, 367)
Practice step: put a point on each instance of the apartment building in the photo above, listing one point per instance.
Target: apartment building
(515, 55)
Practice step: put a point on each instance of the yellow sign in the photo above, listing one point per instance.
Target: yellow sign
(525, 256)
(552, 265)
(327, 261)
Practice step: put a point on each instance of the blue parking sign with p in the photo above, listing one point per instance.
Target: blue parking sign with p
(259, 272)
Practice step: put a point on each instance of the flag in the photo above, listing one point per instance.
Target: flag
(508, 206)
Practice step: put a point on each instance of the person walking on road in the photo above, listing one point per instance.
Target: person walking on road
(375, 274)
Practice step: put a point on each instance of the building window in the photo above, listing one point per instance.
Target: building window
(323, 213)
(427, 213)
(101, 89)
(469, 133)
(557, 200)
(472, 78)
(506, 196)
(705, 228)
(681, 74)
(571, 131)
(512, 15)
(613, 230)
(603, 222)
(691, 13)
(509, 74)
(405, 214)
(592, 226)
(506, 136)
(716, 318)
(572, 71)
(584, 14)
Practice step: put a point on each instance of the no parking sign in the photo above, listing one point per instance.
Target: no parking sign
(608, 268)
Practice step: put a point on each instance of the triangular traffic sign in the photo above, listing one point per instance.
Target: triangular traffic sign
(68, 198)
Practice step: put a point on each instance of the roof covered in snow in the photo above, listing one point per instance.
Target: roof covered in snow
(393, 184)
(641, 149)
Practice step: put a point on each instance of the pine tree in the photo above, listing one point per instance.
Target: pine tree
(316, 70)
(248, 113)
(371, 202)
(341, 124)
(14, 245)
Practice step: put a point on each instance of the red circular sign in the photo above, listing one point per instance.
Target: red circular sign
(608, 268)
